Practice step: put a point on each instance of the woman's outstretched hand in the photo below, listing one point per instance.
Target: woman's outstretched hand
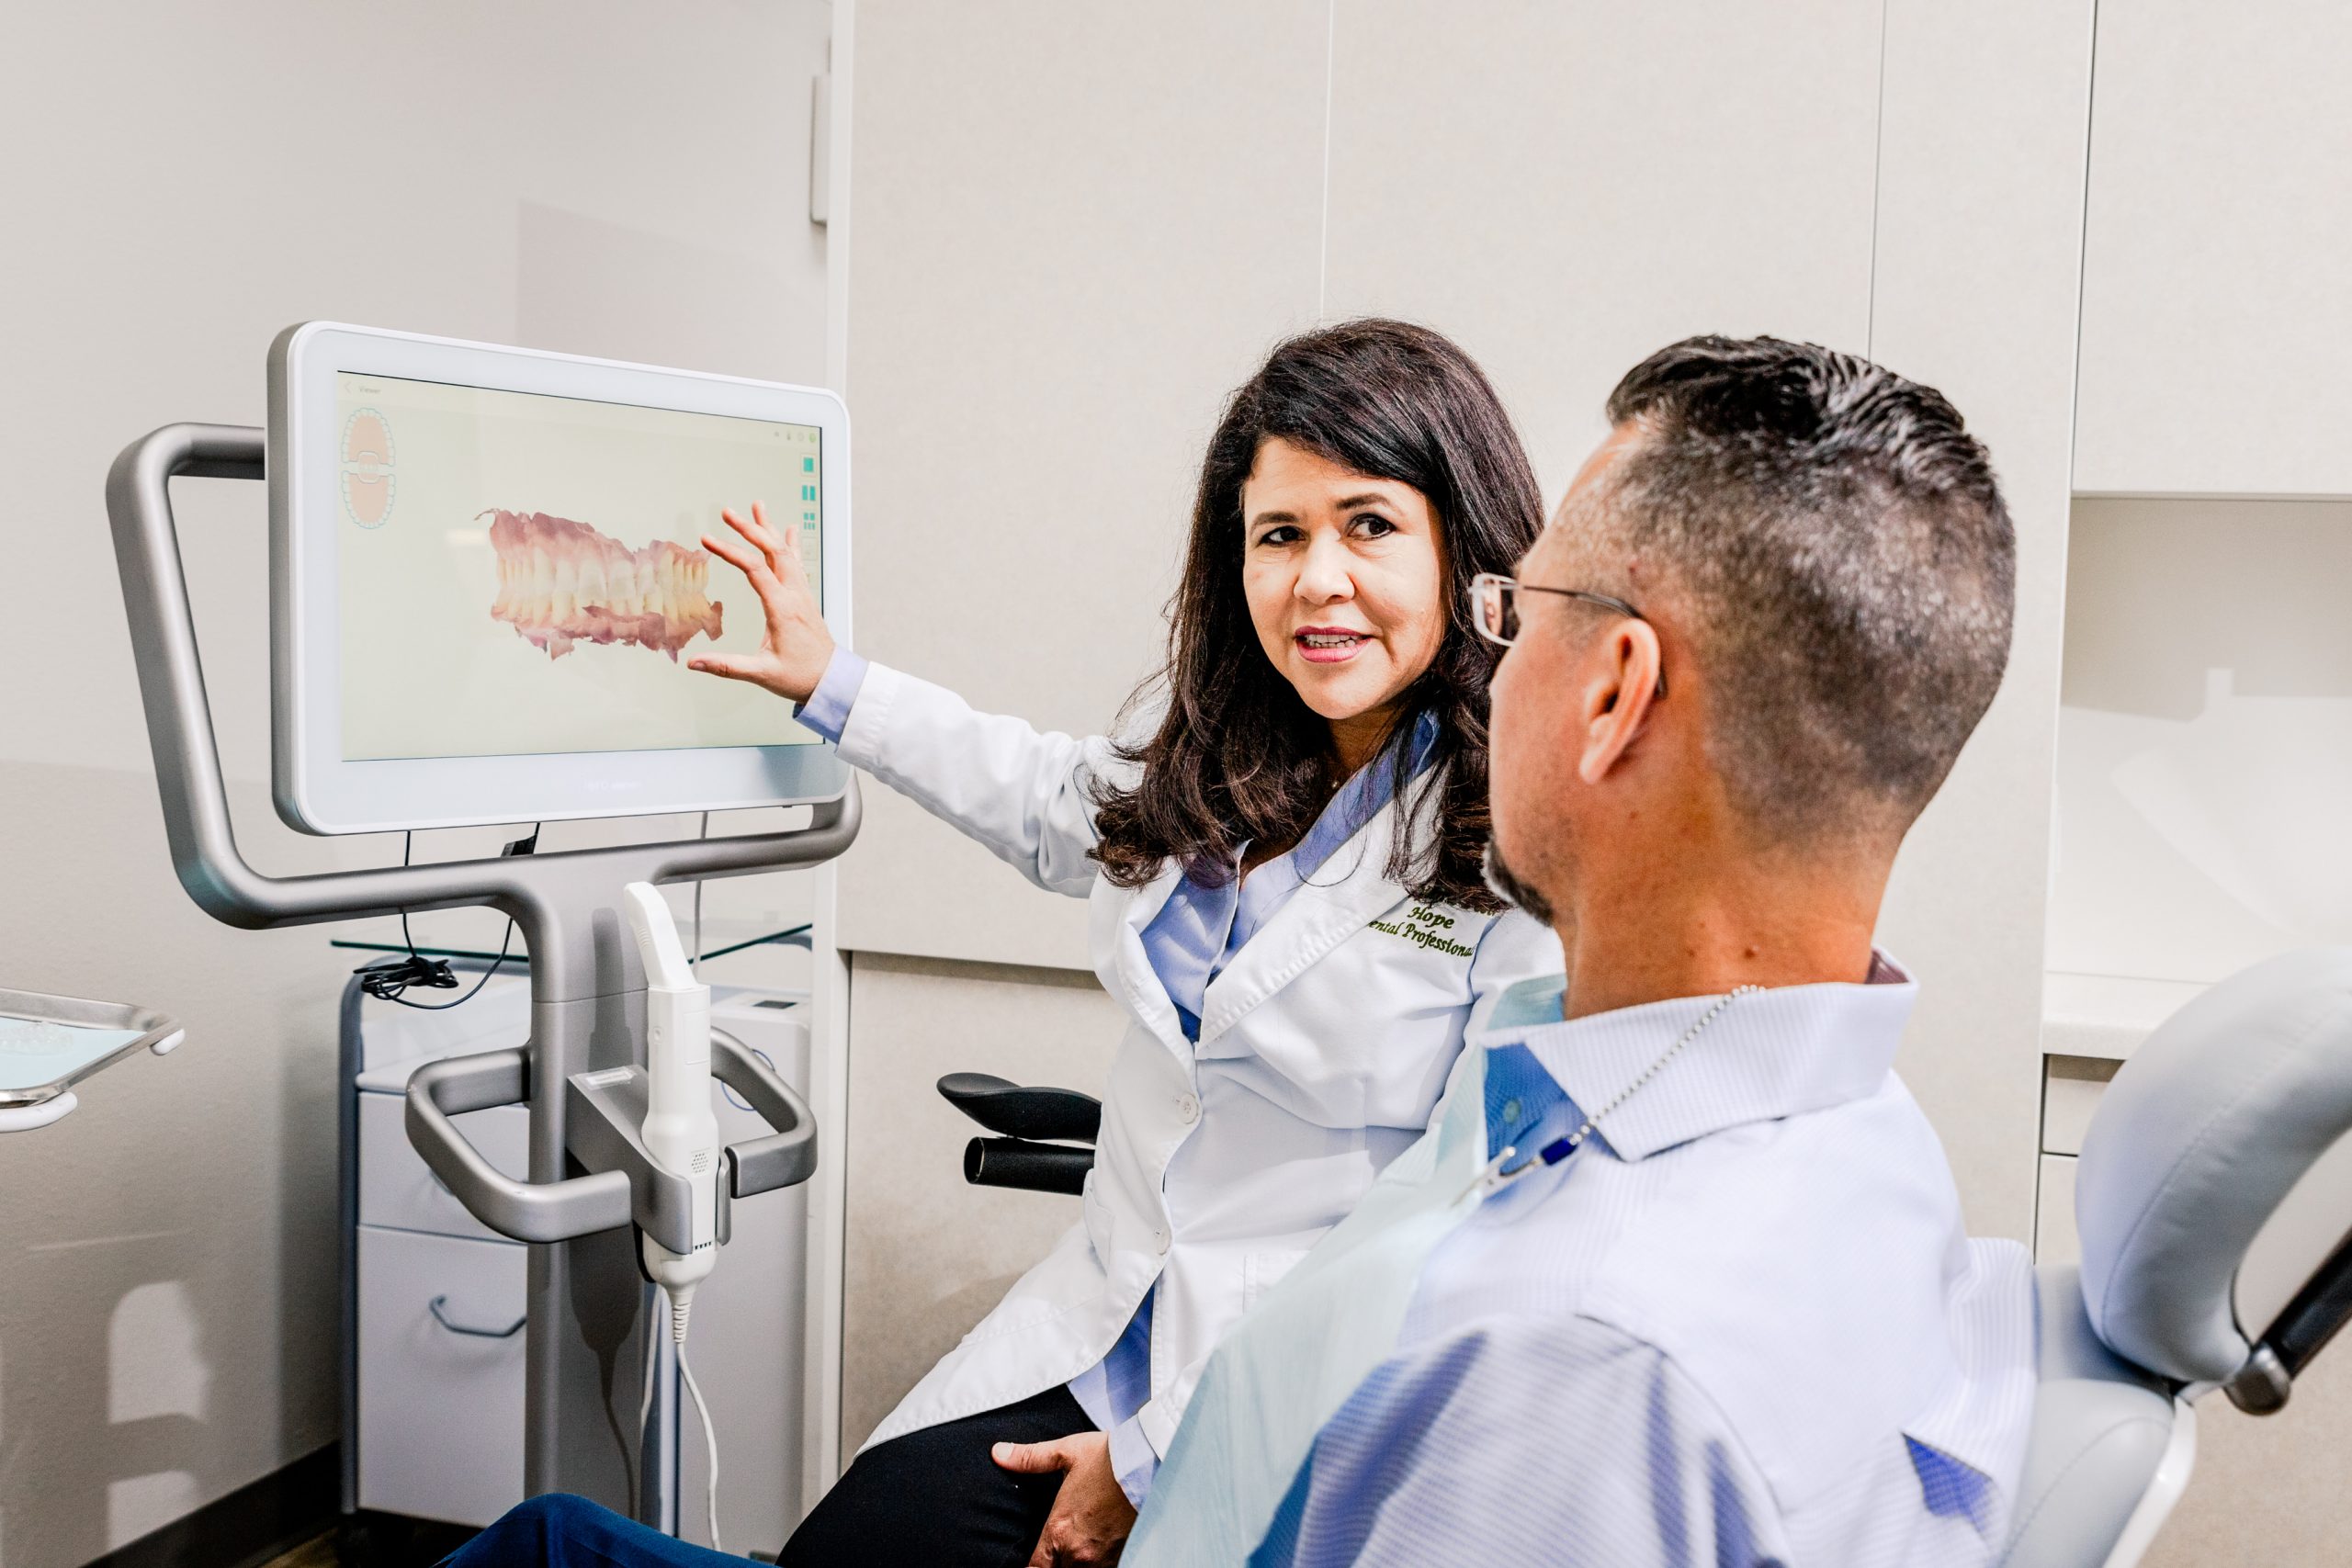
(1092, 1515)
(796, 647)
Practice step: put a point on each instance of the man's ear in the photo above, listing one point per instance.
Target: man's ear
(1620, 682)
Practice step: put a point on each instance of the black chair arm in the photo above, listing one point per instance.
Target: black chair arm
(1033, 1167)
(1008, 1108)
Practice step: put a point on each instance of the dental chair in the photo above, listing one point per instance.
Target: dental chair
(2195, 1159)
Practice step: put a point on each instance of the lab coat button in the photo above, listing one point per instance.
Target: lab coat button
(1188, 1110)
(1159, 1240)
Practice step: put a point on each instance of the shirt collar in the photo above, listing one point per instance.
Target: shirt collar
(1366, 794)
(1773, 1053)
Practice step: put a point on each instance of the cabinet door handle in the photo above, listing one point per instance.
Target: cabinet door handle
(512, 1330)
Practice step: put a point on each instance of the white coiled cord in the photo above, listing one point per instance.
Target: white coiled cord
(709, 1434)
(678, 1315)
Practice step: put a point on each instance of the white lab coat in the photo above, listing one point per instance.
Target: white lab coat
(1323, 1048)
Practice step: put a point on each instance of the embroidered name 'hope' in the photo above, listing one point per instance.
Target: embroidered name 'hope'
(1427, 927)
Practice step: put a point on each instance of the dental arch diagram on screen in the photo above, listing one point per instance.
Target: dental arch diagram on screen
(560, 583)
(523, 573)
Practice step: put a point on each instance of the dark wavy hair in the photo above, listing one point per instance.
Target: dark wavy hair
(1239, 757)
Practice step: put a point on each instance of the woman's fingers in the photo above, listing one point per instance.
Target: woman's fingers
(754, 529)
(1031, 1459)
(732, 666)
(783, 547)
(744, 560)
(763, 533)
(778, 577)
(1092, 1517)
(796, 647)
(780, 550)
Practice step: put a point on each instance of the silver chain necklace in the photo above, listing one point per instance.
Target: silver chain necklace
(1495, 1177)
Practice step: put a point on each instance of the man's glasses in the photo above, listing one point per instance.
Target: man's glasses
(1493, 608)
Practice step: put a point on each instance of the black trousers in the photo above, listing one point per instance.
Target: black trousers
(935, 1499)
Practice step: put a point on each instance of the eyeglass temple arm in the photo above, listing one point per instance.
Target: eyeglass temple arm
(1606, 602)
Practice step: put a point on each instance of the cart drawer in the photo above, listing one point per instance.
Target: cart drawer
(440, 1408)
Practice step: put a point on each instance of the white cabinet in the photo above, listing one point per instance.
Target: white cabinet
(1565, 189)
(2216, 323)
(2071, 1087)
(2055, 1237)
(435, 1423)
(2205, 737)
(440, 1375)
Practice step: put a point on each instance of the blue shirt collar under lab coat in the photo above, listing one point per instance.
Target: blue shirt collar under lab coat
(1204, 924)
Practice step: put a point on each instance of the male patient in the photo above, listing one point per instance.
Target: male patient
(1680, 1277)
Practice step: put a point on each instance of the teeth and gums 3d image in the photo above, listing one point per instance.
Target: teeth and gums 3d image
(562, 582)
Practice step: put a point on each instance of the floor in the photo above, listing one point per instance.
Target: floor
(375, 1540)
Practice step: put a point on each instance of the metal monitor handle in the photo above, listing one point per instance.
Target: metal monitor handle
(586, 1298)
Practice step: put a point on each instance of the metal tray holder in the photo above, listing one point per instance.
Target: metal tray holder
(590, 1178)
(23, 1110)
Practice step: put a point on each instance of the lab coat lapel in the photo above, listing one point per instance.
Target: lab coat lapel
(1138, 984)
(1349, 889)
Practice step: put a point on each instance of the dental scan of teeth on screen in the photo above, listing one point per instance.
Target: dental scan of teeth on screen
(493, 580)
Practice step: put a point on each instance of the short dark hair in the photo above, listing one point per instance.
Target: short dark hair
(1237, 757)
(1848, 560)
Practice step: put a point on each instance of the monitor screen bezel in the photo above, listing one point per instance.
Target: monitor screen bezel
(316, 788)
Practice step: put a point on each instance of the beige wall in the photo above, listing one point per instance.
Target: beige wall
(181, 183)
(927, 1254)
(1077, 227)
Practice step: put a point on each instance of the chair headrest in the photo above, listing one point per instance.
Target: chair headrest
(2202, 1135)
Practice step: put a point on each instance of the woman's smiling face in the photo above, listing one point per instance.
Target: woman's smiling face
(1345, 577)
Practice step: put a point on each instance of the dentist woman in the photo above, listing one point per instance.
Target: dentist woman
(1285, 881)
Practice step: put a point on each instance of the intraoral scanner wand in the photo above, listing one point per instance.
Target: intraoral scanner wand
(680, 1132)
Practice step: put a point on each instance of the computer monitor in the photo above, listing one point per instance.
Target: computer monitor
(486, 581)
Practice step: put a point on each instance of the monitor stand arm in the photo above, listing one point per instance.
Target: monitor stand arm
(587, 1303)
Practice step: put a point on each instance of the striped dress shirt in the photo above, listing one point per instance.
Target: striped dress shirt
(1741, 1325)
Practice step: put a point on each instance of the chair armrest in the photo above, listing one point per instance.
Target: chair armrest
(1007, 1108)
(1033, 1167)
